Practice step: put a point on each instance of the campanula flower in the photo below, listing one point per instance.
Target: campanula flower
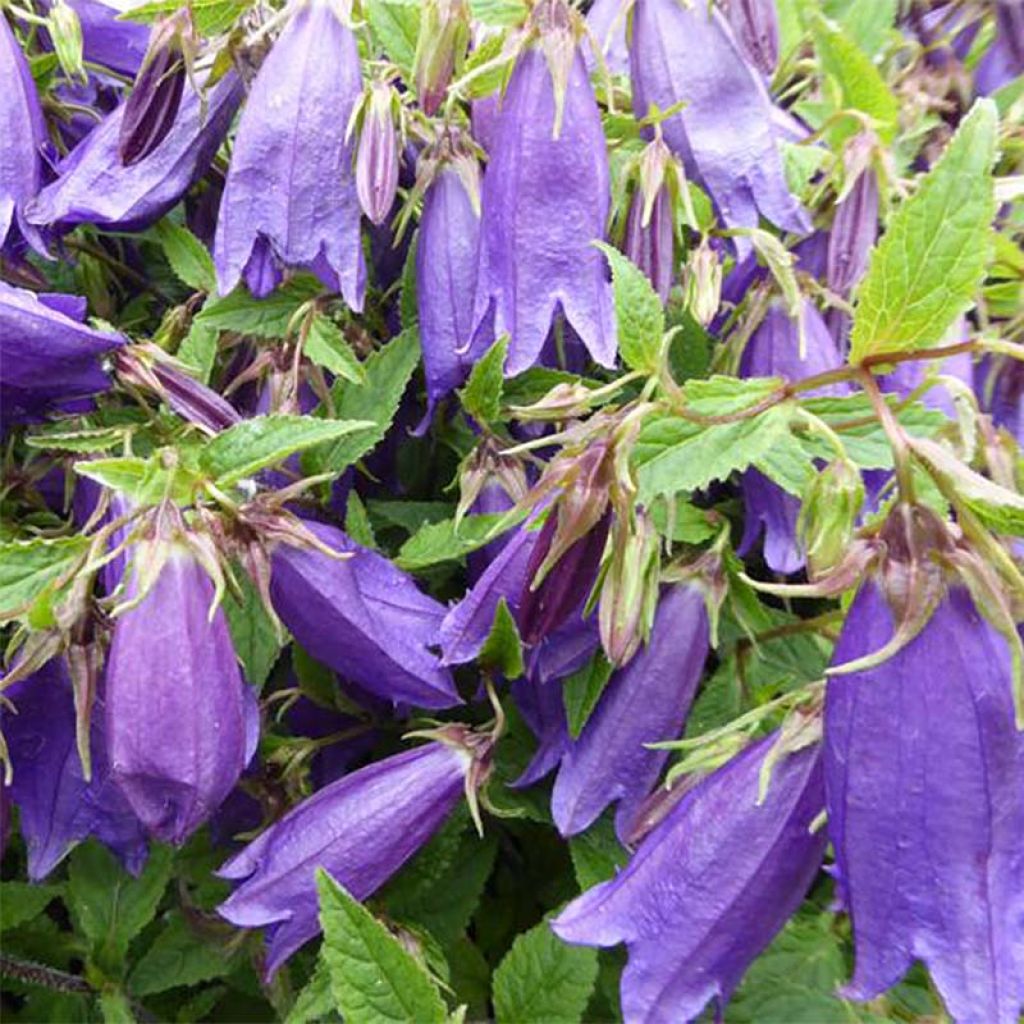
(1003, 61)
(853, 233)
(283, 207)
(755, 24)
(107, 39)
(377, 154)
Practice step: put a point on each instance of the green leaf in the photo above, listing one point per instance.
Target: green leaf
(503, 649)
(544, 979)
(178, 956)
(638, 312)
(441, 542)
(27, 568)
(597, 854)
(583, 689)
(357, 522)
(115, 1008)
(673, 454)
(263, 318)
(144, 481)
(866, 22)
(396, 23)
(375, 980)
(188, 257)
(409, 516)
(315, 1003)
(326, 346)
(21, 902)
(499, 12)
(199, 349)
(376, 400)
(931, 259)
(211, 17)
(109, 906)
(254, 444)
(859, 82)
(723, 396)
(88, 439)
(253, 633)
(481, 397)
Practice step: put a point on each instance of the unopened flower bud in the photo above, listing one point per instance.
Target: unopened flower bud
(629, 591)
(440, 49)
(829, 515)
(66, 33)
(650, 242)
(702, 283)
(853, 233)
(755, 24)
(377, 158)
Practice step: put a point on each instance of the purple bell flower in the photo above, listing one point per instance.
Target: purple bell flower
(755, 24)
(543, 709)
(606, 21)
(363, 617)
(726, 135)
(181, 723)
(1000, 383)
(57, 806)
(907, 377)
(924, 772)
(652, 246)
(1003, 61)
(545, 200)
(95, 187)
(361, 829)
(709, 887)
(853, 233)
(774, 351)
(107, 40)
(48, 355)
(644, 702)
(24, 133)
(290, 198)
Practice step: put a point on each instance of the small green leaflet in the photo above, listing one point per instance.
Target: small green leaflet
(253, 635)
(931, 260)
(199, 349)
(374, 979)
(179, 955)
(867, 22)
(481, 397)
(582, 690)
(441, 542)
(499, 12)
(544, 979)
(21, 902)
(327, 347)
(357, 521)
(375, 400)
(262, 441)
(723, 396)
(503, 650)
(396, 23)
(638, 312)
(144, 481)
(88, 439)
(315, 1004)
(263, 318)
(27, 568)
(597, 853)
(187, 256)
(211, 17)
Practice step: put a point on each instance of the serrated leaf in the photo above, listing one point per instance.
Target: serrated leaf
(95, 439)
(502, 651)
(638, 312)
(326, 346)
(255, 444)
(264, 318)
(199, 349)
(597, 855)
(723, 396)
(21, 902)
(499, 12)
(188, 257)
(315, 1003)
(178, 956)
(109, 906)
(375, 980)
(866, 22)
(357, 521)
(582, 690)
(441, 542)
(396, 24)
(27, 568)
(481, 397)
(252, 632)
(931, 259)
(544, 979)
(143, 481)
(211, 17)
(376, 400)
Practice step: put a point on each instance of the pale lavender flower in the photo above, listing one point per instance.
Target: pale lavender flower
(377, 155)
(755, 23)
(853, 233)
(1003, 61)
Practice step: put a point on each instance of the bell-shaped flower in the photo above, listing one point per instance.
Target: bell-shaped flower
(924, 772)
(1000, 383)
(755, 23)
(651, 244)
(290, 198)
(363, 617)
(180, 720)
(57, 806)
(95, 187)
(606, 24)
(643, 703)
(853, 233)
(24, 133)
(1003, 61)
(48, 354)
(709, 886)
(545, 200)
(361, 829)
(117, 44)
(725, 134)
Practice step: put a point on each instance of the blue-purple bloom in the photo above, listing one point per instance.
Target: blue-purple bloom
(107, 39)
(361, 829)
(1003, 61)
(57, 806)
(290, 198)
(853, 233)
(545, 200)
(725, 135)
(755, 24)
(644, 702)
(363, 617)
(924, 773)
(709, 887)
(606, 21)
(48, 354)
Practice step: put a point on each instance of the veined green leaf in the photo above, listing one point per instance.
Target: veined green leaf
(638, 312)
(187, 256)
(28, 567)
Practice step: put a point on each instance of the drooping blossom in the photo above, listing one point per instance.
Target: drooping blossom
(643, 702)
(709, 886)
(282, 206)
(755, 23)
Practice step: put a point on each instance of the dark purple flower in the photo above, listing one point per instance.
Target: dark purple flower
(542, 706)
(57, 806)
(282, 205)
(651, 246)
(180, 720)
(48, 355)
(925, 774)
(1000, 383)
(107, 40)
(755, 24)
(1003, 61)
(363, 617)
(545, 200)
(853, 233)
(24, 133)
(95, 187)
(446, 267)
(725, 135)
(644, 702)
(361, 829)
(709, 887)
